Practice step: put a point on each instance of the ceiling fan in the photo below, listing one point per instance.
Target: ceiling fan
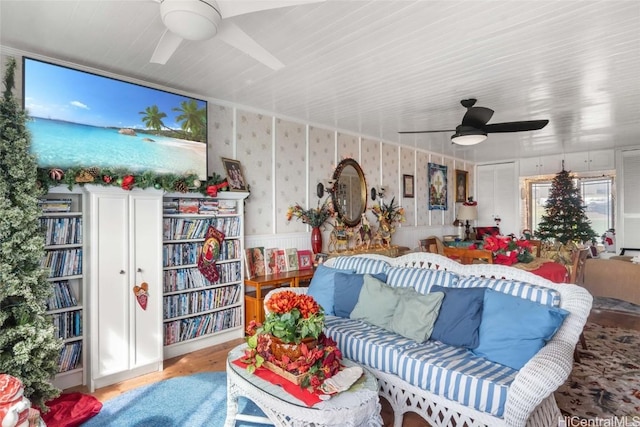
(203, 19)
(474, 127)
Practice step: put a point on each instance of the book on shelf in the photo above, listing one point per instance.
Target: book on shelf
(270, 266)
(55, 205)
(305, 261)
(292, 259)
(189, 206)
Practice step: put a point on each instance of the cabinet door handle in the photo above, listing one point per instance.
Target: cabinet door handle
(139, 270)
(121, 271)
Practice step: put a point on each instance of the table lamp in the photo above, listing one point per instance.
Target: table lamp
(467, 213)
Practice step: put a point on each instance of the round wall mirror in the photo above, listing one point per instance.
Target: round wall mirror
(349, 192)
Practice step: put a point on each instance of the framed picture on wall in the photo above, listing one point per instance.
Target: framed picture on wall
(462, 182)
(407, 186)
(437, 181)
(234, 175)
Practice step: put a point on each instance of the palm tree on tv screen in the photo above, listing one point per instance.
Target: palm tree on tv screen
(192, 119)
(153, 118)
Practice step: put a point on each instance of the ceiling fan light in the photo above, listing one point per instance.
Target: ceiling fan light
(468, 138)
(191, 20)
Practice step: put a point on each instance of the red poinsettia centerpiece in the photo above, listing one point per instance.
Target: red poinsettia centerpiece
(291, 339)
(507, 250)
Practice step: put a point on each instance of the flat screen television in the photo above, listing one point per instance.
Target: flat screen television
(80, 119)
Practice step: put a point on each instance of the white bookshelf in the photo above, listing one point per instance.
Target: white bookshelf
(196, 312)
(63, 223)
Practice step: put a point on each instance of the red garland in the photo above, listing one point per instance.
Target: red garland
(128, 182)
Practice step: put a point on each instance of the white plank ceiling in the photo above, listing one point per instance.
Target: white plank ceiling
(377, 67)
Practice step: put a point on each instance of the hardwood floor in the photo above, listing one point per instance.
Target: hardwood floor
(213, 359)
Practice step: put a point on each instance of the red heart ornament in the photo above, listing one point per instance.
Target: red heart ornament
(141, 294)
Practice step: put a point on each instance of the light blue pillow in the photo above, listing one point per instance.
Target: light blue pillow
(514, 329)
(347, 291)
(322, 286)
(377, 302)
(416, 314)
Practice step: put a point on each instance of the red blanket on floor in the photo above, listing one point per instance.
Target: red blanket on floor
(71, 410)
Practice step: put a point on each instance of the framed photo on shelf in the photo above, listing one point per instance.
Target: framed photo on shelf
(407, 186)
(304, 259)
(462, 182)
(234, 175)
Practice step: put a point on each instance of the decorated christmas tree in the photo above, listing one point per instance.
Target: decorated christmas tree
(564, 219)
(28, 347)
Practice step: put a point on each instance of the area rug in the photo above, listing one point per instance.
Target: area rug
(194, 400)
(606, 382)
(614, 304)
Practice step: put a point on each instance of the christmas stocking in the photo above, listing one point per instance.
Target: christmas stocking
(210, 253)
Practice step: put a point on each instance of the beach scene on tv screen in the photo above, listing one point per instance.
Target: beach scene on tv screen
(79, 119)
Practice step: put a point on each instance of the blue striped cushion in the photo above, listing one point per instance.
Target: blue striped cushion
(365, 343)
(458, 375)
(535, 293)
(361, 265)
(421, 279)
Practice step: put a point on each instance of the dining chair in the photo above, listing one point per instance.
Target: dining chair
(468, 256)
(576, 276)
(536, 246)
(431, 244)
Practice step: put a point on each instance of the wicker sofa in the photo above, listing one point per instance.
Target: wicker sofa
(416, 378)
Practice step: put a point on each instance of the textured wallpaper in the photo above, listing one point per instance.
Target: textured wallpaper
(348, 147)
(283, 167)
(390, 172)
(290, 173)
(407, 166)
(220, 137)
(422, 162)
(254, 142)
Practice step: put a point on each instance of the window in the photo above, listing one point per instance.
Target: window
(597, 195)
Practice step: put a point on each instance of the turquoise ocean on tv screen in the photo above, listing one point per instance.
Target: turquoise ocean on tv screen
(65, 145)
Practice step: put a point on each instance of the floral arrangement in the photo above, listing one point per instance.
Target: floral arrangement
(388, 213)
(295, 319)
(507, 250)
(315, 217)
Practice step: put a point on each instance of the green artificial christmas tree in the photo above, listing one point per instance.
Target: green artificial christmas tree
(28, 347)
(564, 219)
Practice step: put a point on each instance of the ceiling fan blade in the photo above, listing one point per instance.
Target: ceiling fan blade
(427, 131)
(233, 35)
(477, 117)
(167, 45)
(515, 126)
(230, 8)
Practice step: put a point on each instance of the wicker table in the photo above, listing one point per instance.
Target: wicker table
(358, 406)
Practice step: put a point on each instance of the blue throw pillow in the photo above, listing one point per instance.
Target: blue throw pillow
(458, 323)
(347, 290)
(322, 286)
(514, 329)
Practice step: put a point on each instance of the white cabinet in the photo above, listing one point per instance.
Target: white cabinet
(497, 189)
(543, 165)
(199, 313)
(125, 251)
(598, 160)
(62, 222)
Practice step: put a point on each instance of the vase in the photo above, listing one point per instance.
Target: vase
(316, 240)
(291, 350)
